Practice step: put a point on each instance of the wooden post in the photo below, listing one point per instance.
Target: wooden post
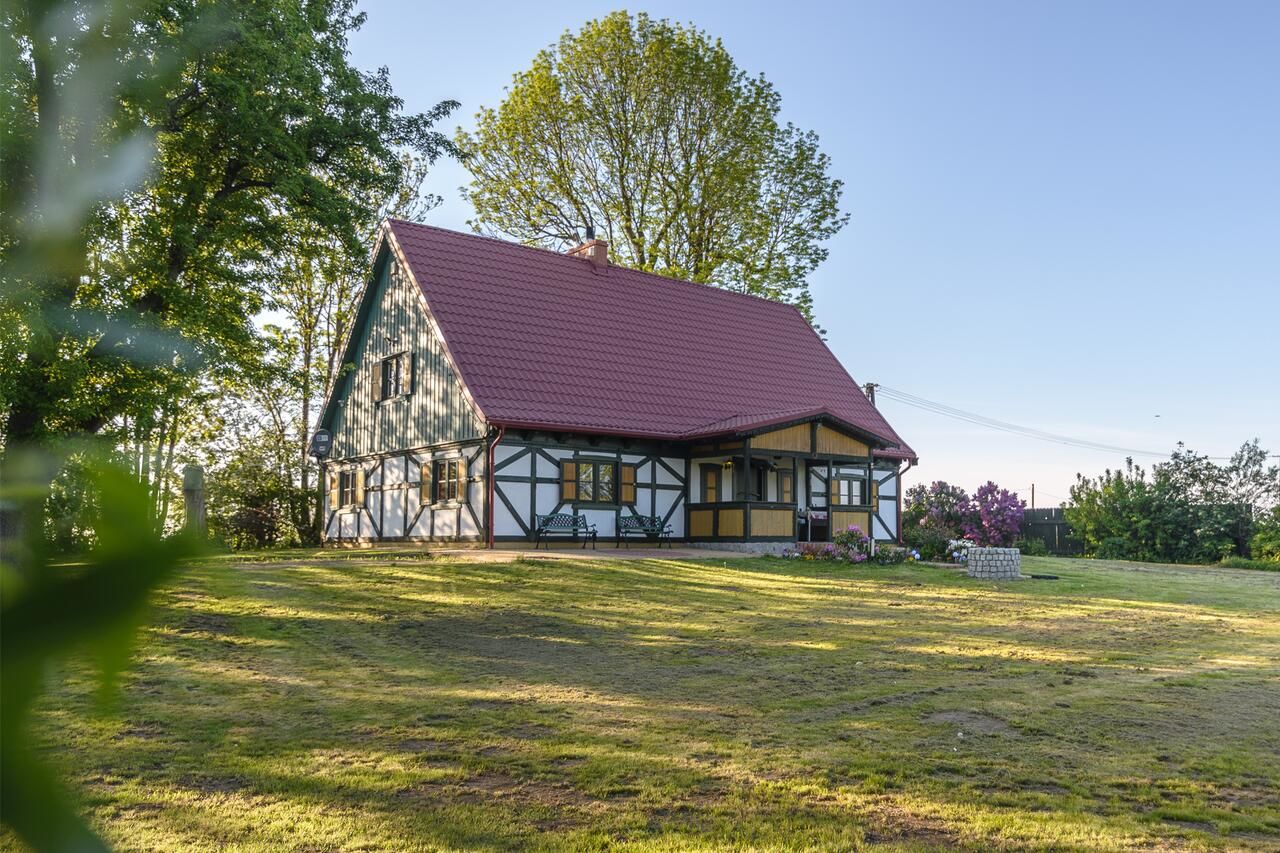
(193, 498)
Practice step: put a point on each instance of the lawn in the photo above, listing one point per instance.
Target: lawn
(333, 701)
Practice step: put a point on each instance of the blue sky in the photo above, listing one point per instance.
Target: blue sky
(1068, 214)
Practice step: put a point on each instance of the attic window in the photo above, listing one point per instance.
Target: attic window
(393, 377)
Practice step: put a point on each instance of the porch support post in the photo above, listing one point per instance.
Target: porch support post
(748, 477)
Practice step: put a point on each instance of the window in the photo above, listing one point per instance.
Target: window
(591, 481)
(846, 490)
(786, 486)
(449, 477)
(710, 483)
(350, 488)
(393, 376)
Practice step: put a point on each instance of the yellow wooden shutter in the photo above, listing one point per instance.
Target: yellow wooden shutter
(833, 490)
(424, 488)
(406, 373)
(375, 381)
(568, 481)
(359, 487)
(628, 490)
(333, 492)
(462, 480)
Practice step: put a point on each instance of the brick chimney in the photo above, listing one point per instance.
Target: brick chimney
(596, 251)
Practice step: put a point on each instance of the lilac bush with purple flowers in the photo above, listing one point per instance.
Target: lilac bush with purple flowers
(993, 516)
(936, 515)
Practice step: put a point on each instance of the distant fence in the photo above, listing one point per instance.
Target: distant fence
(1050, 526)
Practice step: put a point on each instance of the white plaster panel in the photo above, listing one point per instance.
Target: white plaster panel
(664, 476)
(504, 523)
(468, 526)
(393, 508)
(445, 522)
(643, 497)
(666, 499)
(518, 495)
(347, 525)
(393, 471)
(546, 468)
(603, 519)
(548, 495)
(503, 452)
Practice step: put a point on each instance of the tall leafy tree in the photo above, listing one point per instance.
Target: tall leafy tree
(650, 133)
(249, 123)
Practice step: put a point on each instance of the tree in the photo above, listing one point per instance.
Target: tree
(250, 121)
(1188, 510)
(993, 516)
(650, 133)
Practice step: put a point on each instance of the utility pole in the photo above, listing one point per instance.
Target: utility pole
(1033, 495)
(870, 390)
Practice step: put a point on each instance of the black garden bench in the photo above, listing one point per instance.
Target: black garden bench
(648, 526)
(563, 524)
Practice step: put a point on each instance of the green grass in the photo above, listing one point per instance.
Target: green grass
(335, 701)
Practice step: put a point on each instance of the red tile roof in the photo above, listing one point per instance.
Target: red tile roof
(543, 341)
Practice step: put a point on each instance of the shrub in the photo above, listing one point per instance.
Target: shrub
(1033, 548)
(993, 516)
(1245, 563)
(930, 539)
(853, 544)
(890, 555)
(938, 503)
(850, 545)
(1265, 544)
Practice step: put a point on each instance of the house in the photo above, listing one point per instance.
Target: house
(488, 383)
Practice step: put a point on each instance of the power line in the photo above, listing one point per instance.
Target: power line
(1015, 429)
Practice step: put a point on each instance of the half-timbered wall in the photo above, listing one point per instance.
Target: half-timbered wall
(435, 411)
(885, 482)
(527, 484)
(395, 507)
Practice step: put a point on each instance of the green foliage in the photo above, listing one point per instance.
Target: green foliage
(162, 160)
(50, 609)
(1032, 547)
(1265, 544)
(931, 538)
(1188, 510)
(940, 502)
(1246, 563)
(648, 131)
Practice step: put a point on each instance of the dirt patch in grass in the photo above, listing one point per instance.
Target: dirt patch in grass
(205, 623)
(972, 722)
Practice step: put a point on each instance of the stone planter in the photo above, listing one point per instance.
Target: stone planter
(995, 563)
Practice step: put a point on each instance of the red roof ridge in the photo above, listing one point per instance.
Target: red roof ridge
(621, 268)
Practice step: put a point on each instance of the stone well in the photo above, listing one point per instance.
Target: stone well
(995, 563)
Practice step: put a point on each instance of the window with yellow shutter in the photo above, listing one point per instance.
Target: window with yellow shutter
(591, 481)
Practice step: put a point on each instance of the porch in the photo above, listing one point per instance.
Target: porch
(802, 482)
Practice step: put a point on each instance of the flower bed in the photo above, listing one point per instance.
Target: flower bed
(852, 545)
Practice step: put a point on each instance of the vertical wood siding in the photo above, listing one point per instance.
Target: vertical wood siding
(435, 412)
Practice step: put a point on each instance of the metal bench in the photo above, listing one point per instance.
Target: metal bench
(563, 524)
(648, 526)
